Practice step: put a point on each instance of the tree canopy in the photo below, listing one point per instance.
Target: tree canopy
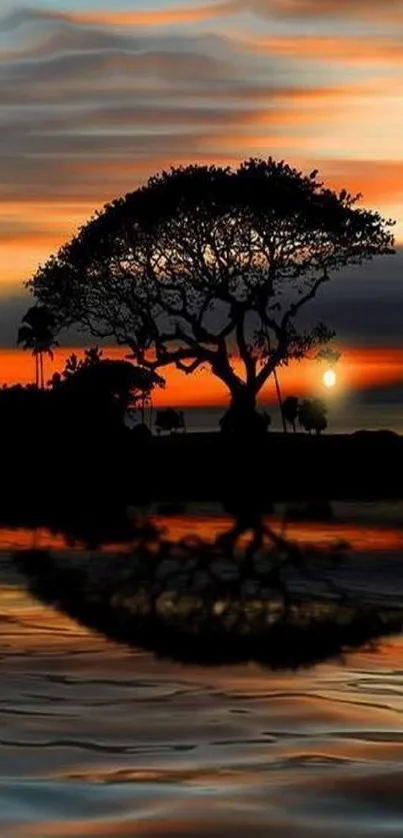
(103, 385)
(205, 263)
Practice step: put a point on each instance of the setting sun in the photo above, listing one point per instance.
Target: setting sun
(329, 378)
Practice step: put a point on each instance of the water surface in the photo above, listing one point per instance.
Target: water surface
(101, 740)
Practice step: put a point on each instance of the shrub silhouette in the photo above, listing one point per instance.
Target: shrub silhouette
(312, 415)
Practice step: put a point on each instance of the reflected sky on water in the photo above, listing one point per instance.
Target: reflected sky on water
(98, 739)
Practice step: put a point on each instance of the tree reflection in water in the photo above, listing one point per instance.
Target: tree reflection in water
(262, 598)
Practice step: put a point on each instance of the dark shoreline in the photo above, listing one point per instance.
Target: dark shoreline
(86, 491)
(280, 467)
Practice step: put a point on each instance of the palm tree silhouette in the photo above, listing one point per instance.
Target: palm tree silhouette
(290, 409)
(37, 334)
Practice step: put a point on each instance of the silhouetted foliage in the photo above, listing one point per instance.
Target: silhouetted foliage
(205, 260)
(312, 415)
(328, 354)
(169, 420)
(74, 363)
(290, 408)
(37, 334)
(79, 428)
(109, 384)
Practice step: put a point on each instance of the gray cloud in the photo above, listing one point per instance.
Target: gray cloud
(77, 97)
(364, 304)
(12, 309)
(72, 94)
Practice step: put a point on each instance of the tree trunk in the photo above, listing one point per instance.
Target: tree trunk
(280, 400)
(242, 417)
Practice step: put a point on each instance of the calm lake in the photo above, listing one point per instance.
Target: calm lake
(98, 739)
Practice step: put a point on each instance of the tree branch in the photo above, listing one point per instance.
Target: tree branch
(244, 351)
(188, 368)
(275, 359)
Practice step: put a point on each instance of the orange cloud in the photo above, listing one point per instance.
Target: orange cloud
(356, 50)
(389, 11)
(373, 10)
(84, 125)
(379, 181)
(181, 14)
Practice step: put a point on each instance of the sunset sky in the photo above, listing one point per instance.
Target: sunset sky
(97, 96)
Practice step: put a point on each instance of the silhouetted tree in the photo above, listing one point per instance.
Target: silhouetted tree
(290, 408)
(119, 384)
(312, 415)
(74, 363)
(204, 262)
(80, 428)
(37, 334)
(94, 377)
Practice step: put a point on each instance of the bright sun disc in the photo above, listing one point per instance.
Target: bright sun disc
(329, 378)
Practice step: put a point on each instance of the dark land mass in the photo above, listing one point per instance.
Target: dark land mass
(69, 456)
(80, 480)
(278, 466)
